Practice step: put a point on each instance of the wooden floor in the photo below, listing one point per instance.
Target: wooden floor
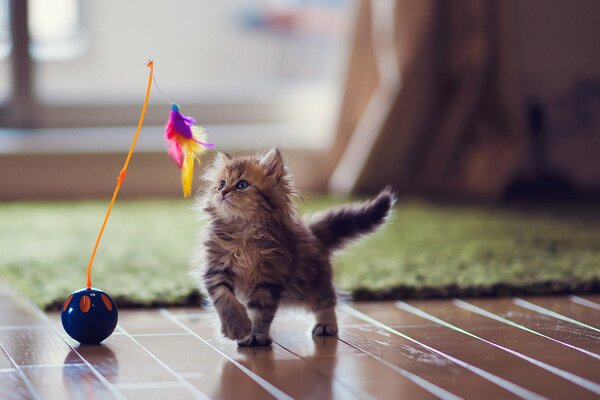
(475, 349)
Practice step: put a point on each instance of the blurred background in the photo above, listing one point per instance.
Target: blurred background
(467, 107)
(469, 99)
(256, 74)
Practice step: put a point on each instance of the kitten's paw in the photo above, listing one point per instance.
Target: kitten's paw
(255, 339)
(237, 327)
(325, 330)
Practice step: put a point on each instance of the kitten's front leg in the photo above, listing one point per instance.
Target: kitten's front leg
(235, 323)
(262, 304)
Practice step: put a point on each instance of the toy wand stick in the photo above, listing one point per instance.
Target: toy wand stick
(149, 64)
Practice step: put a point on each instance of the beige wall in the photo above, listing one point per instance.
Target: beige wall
(69, 176)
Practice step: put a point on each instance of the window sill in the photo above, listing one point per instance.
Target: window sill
(151, 139)
(84, 163)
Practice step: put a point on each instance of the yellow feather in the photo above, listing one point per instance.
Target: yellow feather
(192, 152)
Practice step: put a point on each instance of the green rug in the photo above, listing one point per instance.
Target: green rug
(426, 250)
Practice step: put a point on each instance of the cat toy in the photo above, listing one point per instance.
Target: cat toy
(90, 315)
(185, 145)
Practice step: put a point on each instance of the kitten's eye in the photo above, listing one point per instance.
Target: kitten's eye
(242, 185)
(221, 186)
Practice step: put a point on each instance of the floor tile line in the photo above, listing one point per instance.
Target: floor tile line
(147, 385)
(32, 389)
(315, 366)
(184, 382)
(584, 302)
(423, 383)
(109, 386)
(22, 327)
(270, 388)
(2, 370)
(189, 315)
(478, 310)
(545, 311)
(72, 365)
(576, 379)
(43, 317)
(503, 383)
(159, 334)
(191, 375)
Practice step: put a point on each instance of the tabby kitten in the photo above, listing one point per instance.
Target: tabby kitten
(256, 252)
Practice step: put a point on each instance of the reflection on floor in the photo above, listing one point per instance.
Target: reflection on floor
(537, 347)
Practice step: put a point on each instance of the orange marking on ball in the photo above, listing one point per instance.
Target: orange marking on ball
(106, 301)
(67, 301)
(85, 304)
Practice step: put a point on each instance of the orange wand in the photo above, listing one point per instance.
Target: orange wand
(149, 64)
(90, 315)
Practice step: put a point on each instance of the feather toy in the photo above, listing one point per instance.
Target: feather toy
(186, 143)
(90, 315)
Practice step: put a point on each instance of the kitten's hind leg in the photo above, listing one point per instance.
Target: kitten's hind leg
(323, 305)
(326, 322)
(262, 305)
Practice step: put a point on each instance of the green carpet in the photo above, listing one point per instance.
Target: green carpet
(426, 250)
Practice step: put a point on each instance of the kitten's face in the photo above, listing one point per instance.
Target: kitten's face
(245, 187)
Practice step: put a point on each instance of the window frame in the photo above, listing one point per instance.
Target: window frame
(21, 103)
(24, 110)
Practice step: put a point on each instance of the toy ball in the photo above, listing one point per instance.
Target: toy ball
(89, 315)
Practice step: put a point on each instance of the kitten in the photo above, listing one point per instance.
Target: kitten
(256, 252)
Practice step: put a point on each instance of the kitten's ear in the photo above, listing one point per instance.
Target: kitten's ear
(273, 163)
(216, 166)
(222, 157)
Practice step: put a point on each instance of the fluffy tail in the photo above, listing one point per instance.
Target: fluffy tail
(339, 225)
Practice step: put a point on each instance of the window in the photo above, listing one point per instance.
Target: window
(56, 29)
(232, 61)
(5, 48)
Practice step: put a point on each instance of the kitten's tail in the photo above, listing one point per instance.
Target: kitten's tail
(339, 225)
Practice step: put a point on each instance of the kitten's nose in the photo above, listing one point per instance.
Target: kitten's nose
(224, 192)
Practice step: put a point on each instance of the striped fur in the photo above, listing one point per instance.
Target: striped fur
(256, 253)
(335, 227)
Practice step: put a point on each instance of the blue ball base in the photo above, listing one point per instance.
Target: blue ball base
(89, 315)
